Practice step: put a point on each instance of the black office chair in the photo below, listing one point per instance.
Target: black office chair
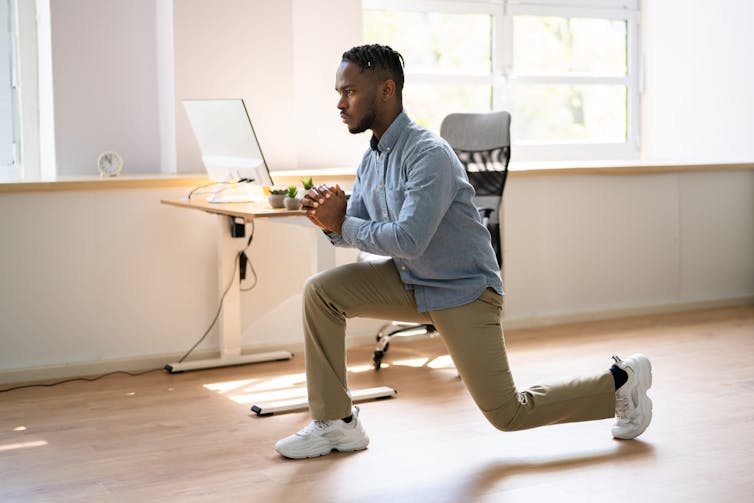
(482, 143)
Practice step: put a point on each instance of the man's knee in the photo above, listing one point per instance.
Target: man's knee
(311, 284)
(321, 293)
(501, 422)
(314, 287)
(327, 279)
(505, 417)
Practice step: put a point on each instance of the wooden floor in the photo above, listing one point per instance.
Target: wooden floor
(191, 437)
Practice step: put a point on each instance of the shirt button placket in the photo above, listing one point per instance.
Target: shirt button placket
(383, 195)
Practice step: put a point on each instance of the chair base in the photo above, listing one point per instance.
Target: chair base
(399, 329)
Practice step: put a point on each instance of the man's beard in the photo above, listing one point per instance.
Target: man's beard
(366, 123)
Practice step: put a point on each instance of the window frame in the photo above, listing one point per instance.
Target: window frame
(30, 23)
(10, 151)
(503, 73)
(606, 9)
(491, 8)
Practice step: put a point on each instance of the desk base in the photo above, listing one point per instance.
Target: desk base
(362, 395)
(227, 361)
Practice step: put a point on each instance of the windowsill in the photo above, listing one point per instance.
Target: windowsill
(542, 168)
(346, 175)
(83, 182)
(620, 167)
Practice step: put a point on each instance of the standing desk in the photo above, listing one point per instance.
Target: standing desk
(230, 216)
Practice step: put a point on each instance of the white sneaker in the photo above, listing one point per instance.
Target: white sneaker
(633, 408)
(321, 437)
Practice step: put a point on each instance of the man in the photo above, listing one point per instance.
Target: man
(412, 202)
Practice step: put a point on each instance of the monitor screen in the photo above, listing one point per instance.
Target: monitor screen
(229, 147)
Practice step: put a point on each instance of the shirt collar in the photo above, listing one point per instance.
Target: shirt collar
(393, 132)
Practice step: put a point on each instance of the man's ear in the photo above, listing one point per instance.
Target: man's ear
(387, 90)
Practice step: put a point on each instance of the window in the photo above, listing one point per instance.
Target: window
(567, 71)
(448, 52)
(9, 166)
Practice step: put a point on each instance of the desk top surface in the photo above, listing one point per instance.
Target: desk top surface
(247, 211)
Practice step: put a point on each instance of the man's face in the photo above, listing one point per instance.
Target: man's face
(358, 97)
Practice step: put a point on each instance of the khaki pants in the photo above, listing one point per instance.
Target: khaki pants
(472, 334)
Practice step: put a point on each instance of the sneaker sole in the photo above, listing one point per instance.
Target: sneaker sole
(323, 452)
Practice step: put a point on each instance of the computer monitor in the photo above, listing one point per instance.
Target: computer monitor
(229, 147)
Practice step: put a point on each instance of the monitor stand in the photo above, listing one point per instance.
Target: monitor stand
(241, 192)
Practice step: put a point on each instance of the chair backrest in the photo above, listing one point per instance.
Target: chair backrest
(482, 143)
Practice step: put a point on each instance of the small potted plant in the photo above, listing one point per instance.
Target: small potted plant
(308, 183)
(277, 198)
(291, 201)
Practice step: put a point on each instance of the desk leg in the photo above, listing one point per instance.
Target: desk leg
(229, 323)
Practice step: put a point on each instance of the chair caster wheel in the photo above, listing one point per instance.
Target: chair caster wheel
(377, 359)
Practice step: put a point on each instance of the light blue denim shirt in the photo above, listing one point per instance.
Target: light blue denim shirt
(413, 202)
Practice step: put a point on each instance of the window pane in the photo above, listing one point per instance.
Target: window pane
(428, 104)
(569, 45)
(433, 42)
(568, 112)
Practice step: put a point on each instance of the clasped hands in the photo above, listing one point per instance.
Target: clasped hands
(326, 207)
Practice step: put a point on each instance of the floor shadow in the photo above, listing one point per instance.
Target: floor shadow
(491, 474)
(476, 483)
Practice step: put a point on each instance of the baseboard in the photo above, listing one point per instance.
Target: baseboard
(136, 364)
(621, 312)
(78, 369)
(148, 362)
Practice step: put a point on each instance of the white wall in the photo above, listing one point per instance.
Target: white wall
(119, 78)
(236, 48)
(577, 246)
(105, 83)
(90, 275)
(699, 78)
(106, 275)
(321, 139)
(274, 55)
(101, 275)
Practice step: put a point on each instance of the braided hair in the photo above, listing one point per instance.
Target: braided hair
(378, 58)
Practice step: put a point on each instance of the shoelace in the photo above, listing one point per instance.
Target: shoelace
(314, 426)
